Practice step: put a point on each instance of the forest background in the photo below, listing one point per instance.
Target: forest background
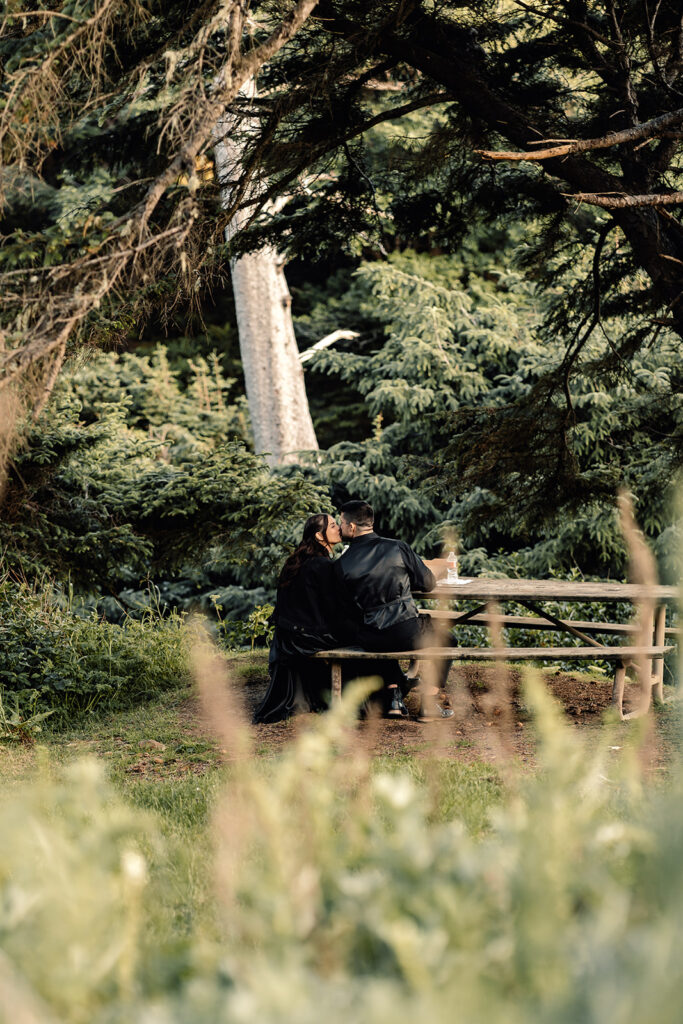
(509, 356)
(509, 347)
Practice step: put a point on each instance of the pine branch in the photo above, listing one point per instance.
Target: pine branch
(312, 154)
(647, 130)
(620, 200)
(560, 20)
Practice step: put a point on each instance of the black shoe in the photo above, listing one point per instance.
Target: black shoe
(430, 711)
(397, 708)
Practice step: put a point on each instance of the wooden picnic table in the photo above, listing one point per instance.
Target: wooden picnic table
(532, 593)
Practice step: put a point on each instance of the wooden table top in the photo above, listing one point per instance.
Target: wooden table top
(481, 589)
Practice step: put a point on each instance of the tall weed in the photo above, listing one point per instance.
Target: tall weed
(340, 894)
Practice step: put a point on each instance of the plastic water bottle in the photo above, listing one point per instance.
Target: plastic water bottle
(451, 567)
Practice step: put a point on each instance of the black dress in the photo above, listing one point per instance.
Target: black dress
(311, 614)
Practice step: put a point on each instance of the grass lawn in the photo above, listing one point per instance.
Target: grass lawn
(162, 756)
(162, 759)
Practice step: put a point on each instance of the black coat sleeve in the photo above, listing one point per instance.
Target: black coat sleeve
(421, 578)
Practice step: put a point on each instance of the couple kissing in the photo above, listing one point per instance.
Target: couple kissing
(362, 600)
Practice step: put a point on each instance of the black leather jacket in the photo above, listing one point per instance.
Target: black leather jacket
(379, 573)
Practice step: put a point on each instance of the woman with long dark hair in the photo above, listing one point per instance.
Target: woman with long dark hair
(310, 615)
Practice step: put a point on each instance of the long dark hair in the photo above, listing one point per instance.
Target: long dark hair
(310, 547)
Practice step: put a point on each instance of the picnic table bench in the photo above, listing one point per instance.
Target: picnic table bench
(529, 593)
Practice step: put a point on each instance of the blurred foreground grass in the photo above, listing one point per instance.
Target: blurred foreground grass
(322, 882)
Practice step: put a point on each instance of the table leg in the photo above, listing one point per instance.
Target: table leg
(645, 665)
(336, 682)
(658, 666)
(618, 687)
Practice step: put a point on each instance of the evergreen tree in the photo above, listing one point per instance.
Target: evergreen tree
(463, 346)
(139, 477)
(381, 121)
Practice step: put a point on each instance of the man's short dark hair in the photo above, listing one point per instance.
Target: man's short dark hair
(358, 512)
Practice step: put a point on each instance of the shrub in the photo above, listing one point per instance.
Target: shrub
(53, 659)
(256, 630)
(129, 477)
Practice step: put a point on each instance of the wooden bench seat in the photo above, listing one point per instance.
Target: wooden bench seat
(622, 656)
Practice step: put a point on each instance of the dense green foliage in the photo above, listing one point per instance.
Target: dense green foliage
(137, 485)
(444, 79)
(54, 660)
(349, 893)
(518, 357)
(447, 345)
(369, 118)
(139, 472)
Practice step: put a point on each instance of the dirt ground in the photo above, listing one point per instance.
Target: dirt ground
(485, 727)
(171, 738)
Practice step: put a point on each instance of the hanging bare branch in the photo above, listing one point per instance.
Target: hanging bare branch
(36, 89)
(231, 78)
(58, 300)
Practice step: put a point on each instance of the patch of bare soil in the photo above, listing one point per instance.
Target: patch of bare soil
(159, 767)
(484, 727)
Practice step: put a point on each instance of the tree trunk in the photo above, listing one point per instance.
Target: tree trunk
(273, 375)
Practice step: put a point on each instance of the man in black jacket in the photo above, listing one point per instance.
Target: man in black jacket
(380, 574)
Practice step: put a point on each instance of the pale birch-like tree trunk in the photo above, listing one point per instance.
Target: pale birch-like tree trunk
(273, 375)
